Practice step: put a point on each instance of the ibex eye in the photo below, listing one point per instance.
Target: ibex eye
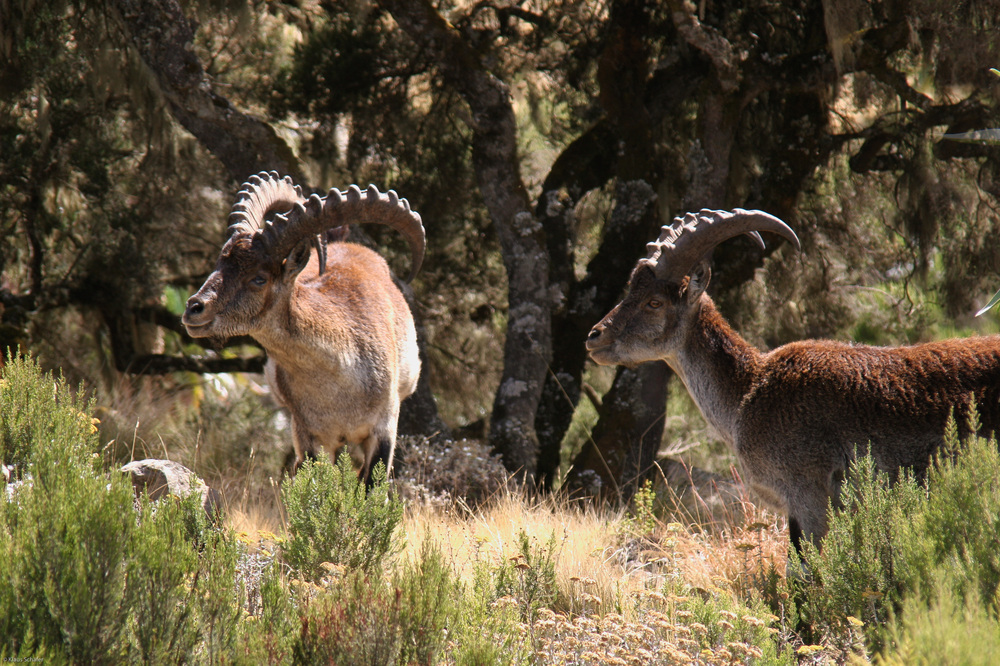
(654, 304)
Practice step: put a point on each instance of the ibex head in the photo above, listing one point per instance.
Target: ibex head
(262, 258)
(664, 287)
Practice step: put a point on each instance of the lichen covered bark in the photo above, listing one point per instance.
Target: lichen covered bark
(528, 346)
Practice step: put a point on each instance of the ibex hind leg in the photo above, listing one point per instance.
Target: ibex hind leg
(795, 534)
(377, 449)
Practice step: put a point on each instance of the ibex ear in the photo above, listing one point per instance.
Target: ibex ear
(697, 281)
(296, 260)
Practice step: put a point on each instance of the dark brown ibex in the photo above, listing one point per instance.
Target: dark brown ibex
(793, 416)
(340, 339)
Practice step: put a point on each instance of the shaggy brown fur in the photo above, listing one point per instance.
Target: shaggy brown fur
(795, 416)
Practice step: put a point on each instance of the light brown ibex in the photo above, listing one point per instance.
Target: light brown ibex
(795, 415)
(339, 336)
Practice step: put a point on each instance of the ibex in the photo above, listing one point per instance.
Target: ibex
(793, 416)
(339, 336)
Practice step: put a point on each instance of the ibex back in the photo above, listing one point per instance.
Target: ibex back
(793, 416)
(340, 339)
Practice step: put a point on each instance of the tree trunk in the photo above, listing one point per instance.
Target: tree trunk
(586, 164)
(624, 443)
(627, 436)
(494, 154)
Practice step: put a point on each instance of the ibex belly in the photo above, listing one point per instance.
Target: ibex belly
(327, 414)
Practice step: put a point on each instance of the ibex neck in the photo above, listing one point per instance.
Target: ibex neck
(717, 366)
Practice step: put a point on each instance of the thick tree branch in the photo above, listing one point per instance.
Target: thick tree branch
(161, 364)
(709, 41)
(163, 38)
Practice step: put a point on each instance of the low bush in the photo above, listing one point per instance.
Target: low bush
(365, 617)
(900, 557)
(333, 519)
(65, 528)
(527, 579)
(90, 575)
(430, 600)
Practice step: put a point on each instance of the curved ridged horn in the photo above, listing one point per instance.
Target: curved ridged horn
(688, 239)
(261, 195)
(312, 216)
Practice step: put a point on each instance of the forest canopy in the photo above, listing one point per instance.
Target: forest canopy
(543, 142)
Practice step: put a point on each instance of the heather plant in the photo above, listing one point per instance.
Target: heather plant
(860, 571)
(36, 408)
(640, 520)
(333, 519)
(900, 556)
(272, 633)
(163, 625)
(949, 629)
(445, 471)
(87, 573)
(528, 578)
(430, 598)
(370, 618)
(65, 528)
(489, 630)
(355, 621)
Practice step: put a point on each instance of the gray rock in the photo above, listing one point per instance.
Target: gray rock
(162, 477)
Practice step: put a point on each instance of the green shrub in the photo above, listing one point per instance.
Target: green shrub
(429, 595)
(489, 629)
(896, 547)
(331, 518)
(270, 635)
(947, 629)
(363, 619)
(355, 622)
(721, 621)
(162, 587)
(66, 529)
(84, 577)
(220, 603)
(860, 571)
(37, 410)
(640, 520)
(529, 577)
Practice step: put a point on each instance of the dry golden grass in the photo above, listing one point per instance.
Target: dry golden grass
(594, 555)
(616, 604)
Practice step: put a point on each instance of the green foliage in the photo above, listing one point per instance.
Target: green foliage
(362, 618)
(950, 629)
(272, 633)
(89, 576)
(331, 518)
(488, 630)
(161, 591)
(429, 597)
(910, 549)
(66, 527)
(355, 622)
(528, 578)
(860, 566)
(334, 70)
(641, 520)
(721, 621)
(34, 409)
